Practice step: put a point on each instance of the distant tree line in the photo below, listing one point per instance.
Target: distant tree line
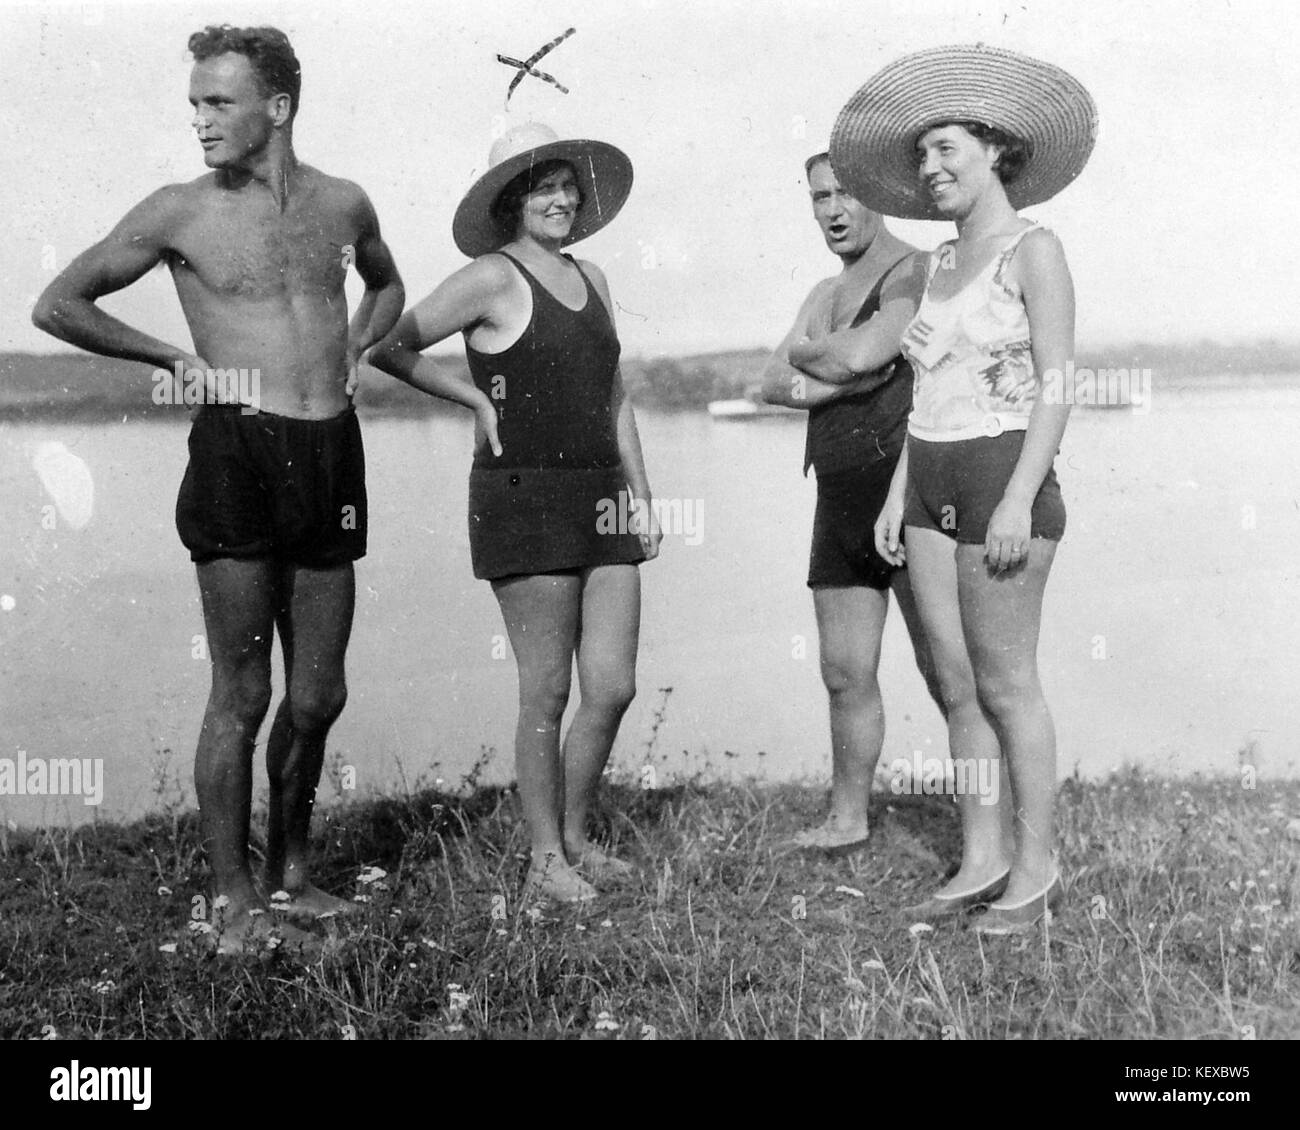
(82, 386)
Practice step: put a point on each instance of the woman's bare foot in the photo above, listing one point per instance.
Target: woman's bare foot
(309, 903)
(597, 862)
(253, 931)
(833, 836)
(552, 877)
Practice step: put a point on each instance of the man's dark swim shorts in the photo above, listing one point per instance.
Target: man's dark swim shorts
(844, 524)
(261, 485)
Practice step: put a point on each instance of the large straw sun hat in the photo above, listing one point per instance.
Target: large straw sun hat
(873, 144)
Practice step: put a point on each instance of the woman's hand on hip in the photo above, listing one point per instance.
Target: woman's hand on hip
(485, 426)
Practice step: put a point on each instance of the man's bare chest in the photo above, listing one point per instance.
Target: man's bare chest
(253, 254)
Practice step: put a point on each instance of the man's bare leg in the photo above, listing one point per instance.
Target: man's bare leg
(850, 622)
(607, 643)
(314, 616)
(239, 600)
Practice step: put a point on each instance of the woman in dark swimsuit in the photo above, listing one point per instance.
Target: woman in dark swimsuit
(556, 445)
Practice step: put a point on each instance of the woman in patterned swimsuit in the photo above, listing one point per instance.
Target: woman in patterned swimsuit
(556, 447)
(975, 498)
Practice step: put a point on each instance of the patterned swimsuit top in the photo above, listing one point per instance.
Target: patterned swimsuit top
(974, 369)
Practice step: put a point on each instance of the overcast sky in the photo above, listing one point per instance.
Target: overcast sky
(1180, 227)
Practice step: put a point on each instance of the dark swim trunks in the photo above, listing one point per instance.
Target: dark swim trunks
(262, 485)
(844, 539)
(955, 486)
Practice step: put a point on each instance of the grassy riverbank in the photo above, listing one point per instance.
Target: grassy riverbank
(1180, 921)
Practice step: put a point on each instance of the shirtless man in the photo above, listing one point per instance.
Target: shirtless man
(857, 423)
(273, 505)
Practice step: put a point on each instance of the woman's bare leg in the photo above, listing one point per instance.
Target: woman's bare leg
(541, 615)
(987, 835)
(1001, 613)
(607, 646)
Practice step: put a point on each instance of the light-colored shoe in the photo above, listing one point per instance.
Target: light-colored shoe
(944, 906)
(1020, 917)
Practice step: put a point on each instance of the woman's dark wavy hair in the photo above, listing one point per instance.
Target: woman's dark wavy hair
(266, 48)
(509, 204)
(1015, 154)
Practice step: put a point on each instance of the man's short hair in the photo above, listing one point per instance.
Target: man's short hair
(266, 48)
(813, 161)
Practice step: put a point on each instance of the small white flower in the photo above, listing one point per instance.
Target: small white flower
(220, 902)
(103, 988)
(606, 1023)
(916, 929)
(371, 875)
(200, 928)
(579, 926)
(608, 922)
(879, 966)
(254, 911)
(363, 898)
(167, 947)
(281, 896)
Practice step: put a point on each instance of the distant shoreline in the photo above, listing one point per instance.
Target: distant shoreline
(83, 387)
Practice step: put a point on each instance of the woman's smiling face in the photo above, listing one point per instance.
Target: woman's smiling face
(550, 208)
(955, 168)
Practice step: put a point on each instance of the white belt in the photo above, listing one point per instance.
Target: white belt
(993, 424)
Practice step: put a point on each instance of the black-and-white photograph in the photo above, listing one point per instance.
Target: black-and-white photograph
(549, 519)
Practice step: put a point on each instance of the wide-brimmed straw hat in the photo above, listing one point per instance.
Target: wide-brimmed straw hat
(873, 144)
(604, 176)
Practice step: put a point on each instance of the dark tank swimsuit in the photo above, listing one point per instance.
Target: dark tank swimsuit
(556, 499)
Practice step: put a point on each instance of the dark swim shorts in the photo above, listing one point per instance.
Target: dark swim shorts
(262, 485)
(528, 520)
(844, 542)
(954, 487)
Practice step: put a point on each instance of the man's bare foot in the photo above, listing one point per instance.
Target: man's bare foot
(551, 877)
(595, 861)
(309, 903)
(833, 836)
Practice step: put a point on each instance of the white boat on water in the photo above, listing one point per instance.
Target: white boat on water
(751, 407)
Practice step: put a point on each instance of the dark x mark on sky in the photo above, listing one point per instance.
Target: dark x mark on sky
(527, 68)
